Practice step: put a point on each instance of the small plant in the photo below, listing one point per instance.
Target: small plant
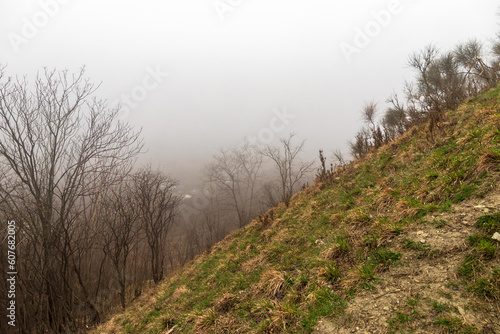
(371, 241)
(474, 239)
(486, 249)
(331, 272)
(385, 257)
(439, 307)
(397, 230)
(405, 315)
(343, 244)
(455, 325)
(487, 287)
(324, 173)
(413, 302)
(489, 223)
(205, 321)
(340, 247)
(168, 321)
(483, 288)
(469, 267)
(366, 275)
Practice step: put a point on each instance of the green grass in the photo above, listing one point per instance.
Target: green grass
(405, 316)
(423, 251)
(487, 287)
(486, 249)
(470, 267)
(384, 258)
(439, 307)
(489, 223)
(455, 325)
(483, 250)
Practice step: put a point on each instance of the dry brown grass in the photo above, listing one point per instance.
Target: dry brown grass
(225, 302)
(332, 253)
(359, 217)
(179, 292)
(255, 262)
(272, 284)
(281, 318)
(384, 201)
(489, 162)
(336, 218)
(405, 210)
(266, 219)
(279, 314)
(205, 322)
(230, 325)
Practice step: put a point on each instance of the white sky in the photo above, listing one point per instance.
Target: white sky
(227, 76)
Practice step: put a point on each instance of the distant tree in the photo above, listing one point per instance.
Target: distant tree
(290, 168)
(369, 114)
(339, 159)
(214, 223)
(477, 75)
(323, 172)
(122, 225)
(361, 144)
(270, 194)
(235, 172)
(158, 205)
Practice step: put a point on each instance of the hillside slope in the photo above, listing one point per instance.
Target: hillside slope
(399, 241)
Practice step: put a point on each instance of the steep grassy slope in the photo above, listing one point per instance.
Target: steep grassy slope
(350, 244)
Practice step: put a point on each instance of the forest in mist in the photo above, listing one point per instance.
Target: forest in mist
(92, 227)
(88, 222)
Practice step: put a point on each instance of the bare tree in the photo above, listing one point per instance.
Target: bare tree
(235, 172)
(339, 159)
(270, 194)
(290, 168)
(57, 141)
(369, 113)
(212, 222)
(496, 48)
(158, 205)
(476, 74)
(361, 144)
(121, 228)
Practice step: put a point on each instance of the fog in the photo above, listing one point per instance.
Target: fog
(200, 75)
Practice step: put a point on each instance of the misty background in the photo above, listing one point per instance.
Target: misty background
(211, 74)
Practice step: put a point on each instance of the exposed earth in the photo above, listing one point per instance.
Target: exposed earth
(411, 294)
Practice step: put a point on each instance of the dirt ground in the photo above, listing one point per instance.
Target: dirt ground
(427, 279)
